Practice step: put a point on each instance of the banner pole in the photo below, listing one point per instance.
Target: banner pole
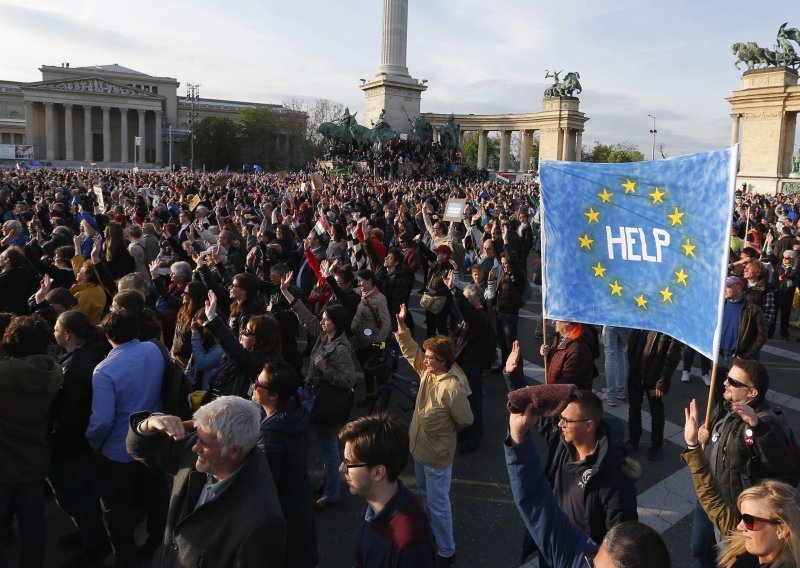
(711, 395)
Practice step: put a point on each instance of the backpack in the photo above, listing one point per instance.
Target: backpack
(176, 388)
(793, 477)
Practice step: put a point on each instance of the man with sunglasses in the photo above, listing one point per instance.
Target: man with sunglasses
(395, 530)
(744, 445)
(587, 468)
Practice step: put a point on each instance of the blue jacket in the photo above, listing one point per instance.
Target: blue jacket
(127, 381)
(560, 543)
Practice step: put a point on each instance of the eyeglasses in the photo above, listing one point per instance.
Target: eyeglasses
(431, 358)
(247, 333)
(750, 521)
(569, 421)
(260, 386)
(349, 466)
(736, 384)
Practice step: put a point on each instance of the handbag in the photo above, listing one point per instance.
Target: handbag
(433, 304)
(332, 404)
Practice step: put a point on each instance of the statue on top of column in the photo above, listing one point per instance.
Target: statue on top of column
(565, 88)
(784, 54)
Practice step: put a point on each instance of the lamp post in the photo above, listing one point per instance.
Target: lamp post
(653, 132)
(192, 96)
(170, 148)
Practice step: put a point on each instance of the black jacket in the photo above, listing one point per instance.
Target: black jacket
(283, 439)
(72, 406)
(738, 465)
(609, 493)
(241, 526)
(16, 286)
(652, 367)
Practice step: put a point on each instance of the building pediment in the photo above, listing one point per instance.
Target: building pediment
(93, 86)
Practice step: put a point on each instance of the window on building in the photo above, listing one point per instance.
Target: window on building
(155, 90)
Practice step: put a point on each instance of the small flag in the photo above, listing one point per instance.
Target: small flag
(503, 178)
(321, 226)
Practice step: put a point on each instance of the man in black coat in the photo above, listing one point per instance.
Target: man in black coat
(224, 510)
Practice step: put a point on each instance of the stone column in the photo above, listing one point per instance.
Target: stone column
(395, 35)
(526, 148)
(50, 125)
(29, 124)
(461, 134)
(106, 134)
(565, 145)
(141, 135)
(123, 127)
(505, 150)
(159, 149)
(87, 132)
(735, 130)
(68, 134)
(483, 143)
(579, 146)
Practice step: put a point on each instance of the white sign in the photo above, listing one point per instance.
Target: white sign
(454, 210)
(7, 152)
(98, 191)
(137, 140)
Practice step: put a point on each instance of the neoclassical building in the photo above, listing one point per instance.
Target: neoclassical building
(108, 114)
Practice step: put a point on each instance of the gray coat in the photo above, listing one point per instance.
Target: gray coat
(340, 371)
(242, 527)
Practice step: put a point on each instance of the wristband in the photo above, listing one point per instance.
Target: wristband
(293, 302)
(692, 446)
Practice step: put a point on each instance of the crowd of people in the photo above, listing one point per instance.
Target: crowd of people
(258, 297)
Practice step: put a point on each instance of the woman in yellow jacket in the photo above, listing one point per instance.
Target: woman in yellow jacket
(87, 289)
(441, 410)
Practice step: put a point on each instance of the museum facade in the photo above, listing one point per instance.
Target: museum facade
(107, 114)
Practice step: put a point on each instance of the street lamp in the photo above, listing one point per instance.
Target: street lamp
(653, 132)
(192, 97)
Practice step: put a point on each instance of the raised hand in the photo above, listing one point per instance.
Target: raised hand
(402, 314)
(691, 424)
(286, 280)
(97, 250)
(211, 305)
(514, 358)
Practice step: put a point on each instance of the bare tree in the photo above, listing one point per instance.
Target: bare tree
(323, 110)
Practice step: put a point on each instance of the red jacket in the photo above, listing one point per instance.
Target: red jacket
(571, 362)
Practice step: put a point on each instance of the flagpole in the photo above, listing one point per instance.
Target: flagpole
(711, 388)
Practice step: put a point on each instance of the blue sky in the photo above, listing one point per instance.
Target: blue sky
(671, 59)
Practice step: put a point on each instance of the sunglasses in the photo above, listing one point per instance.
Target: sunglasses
(736, 384)
(750, 521)
(349, 466)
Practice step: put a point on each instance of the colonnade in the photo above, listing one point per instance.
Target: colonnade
(62, 132)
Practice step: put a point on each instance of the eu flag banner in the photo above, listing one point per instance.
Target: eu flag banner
(641, 245)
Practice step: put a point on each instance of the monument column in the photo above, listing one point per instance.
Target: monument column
(50, 125)
(123, 128)
(483, 139)
(142, 147)
(505, 150)
(106, 134)
(29, 124)
(526, 148)
(579, 146)
(158, 143)
(395, 38)
(68, 134)
(87, 132)
(735, 130)
(565, 145)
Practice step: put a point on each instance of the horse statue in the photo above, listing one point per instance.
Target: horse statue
(381, 129)
(449, 133)
(565, 88)
(752, 55)
(341, 129)
(785, 54)
(421, 131)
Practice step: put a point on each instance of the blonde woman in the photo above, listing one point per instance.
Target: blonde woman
(763, 529)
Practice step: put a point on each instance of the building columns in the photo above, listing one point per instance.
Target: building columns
(735, 129)
(29, 124)
(50, 126)
(483, 139)
(159, 149)
(579, 146)
(123, 131)
(526, 149)
(505, 150)
(395, 37)
(87, 132)
(141, 135)
(565, 145)
(106, 134)
(68, 133)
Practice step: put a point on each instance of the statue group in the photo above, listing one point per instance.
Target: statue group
(345, 129)
(784, 54)
(566, 88)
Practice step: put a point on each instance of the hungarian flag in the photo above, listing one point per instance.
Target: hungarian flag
(321, 226)
(503, 178)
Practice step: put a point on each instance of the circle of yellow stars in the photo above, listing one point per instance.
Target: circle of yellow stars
(675, 217)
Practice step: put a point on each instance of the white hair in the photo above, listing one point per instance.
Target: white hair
(235, 420)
